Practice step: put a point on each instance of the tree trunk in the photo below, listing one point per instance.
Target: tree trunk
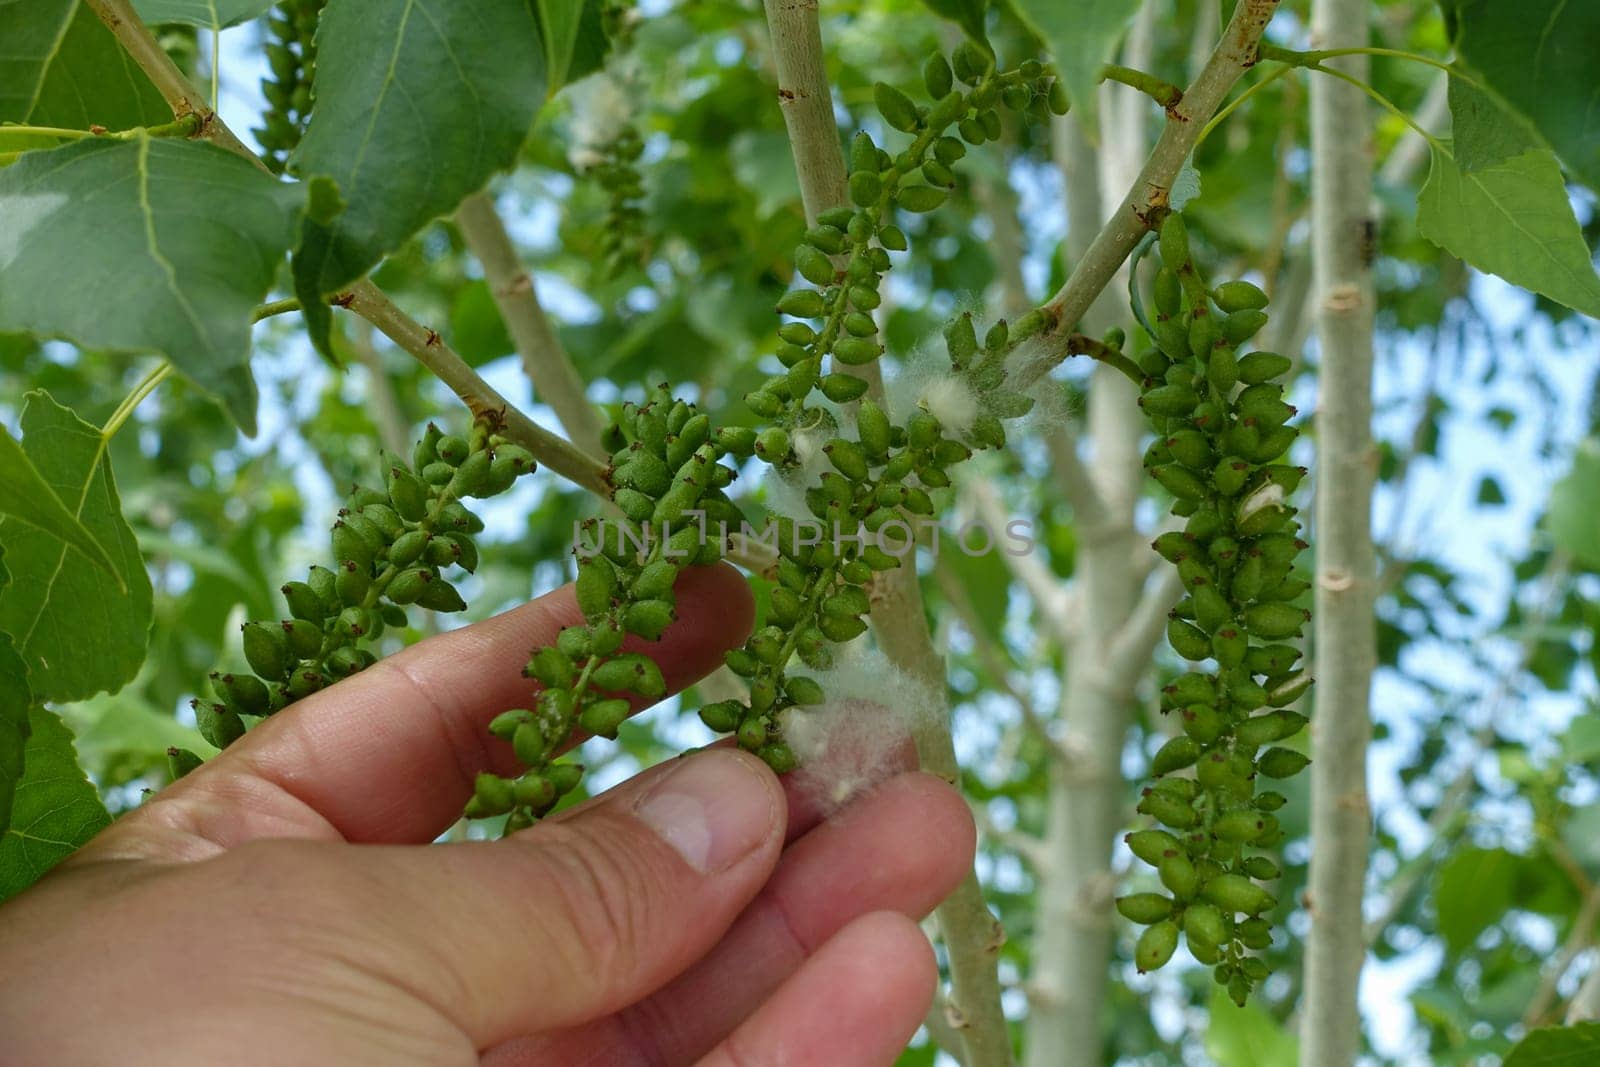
(1344, 642)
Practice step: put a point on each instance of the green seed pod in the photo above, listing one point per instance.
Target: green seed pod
(1248, 578)
(1255, 933)
(1204, 923)
(842, 388)
(353, 621)
(1167, 293)
(1271, 659)
(897, 108)
(1169, 400)
(1174, 241)
(802, 303)
(1173, 546)
(813, 265)
(348, 543)
(1188, 641)
(452, 449)
(1153, 846)
(551, 667)
(1274, 621)
(440, 595)
(1222, 369)
(1203, 334)
(352, 582)
(1203, 722)
(648, 618)
(797, 333)
(723, 716)
(492, 794)
(859, 324)
(1192, 688)
(1155, 946)
(1238, 827)
(440, 552)
(865, 188)
(938, 175)
(343, 662)
(1229, 645)
(1179, 875)
(920, 198)
(565, 777)
(1282, 762)
(595, 587)
(472, 477)
(1168, 810)
(407, 548)
(304, 603)
(604, 716)
(829, 239)
(1211, 608)
(1191, 448)
(408, 492)
(218, 724)
(408, 585)
(305, 682)
(1239, 296)
(1259, 367)
(243, 693)
(1176, 754)
(1265, 729)
(842, 628)
(1289, 690)
(1239, 326)
(266, 648)
(804, 691)
(1245, 693)
(1144, 908)
(855, 351)
(180, 761)
(1236, 894)
(1261, 868)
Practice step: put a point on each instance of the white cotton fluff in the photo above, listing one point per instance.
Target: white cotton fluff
(951, 401)
(849, 744)
(601, 107)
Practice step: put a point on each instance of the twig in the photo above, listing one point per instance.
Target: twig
(1164, 93)
(545, 361)
(481, 398)
(1147, 198)
(807, 104)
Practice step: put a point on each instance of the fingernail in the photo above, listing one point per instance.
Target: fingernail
(713, 809)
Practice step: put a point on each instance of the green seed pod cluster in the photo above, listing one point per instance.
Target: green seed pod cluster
(622, 237)
(291, 50)
(390, 548)
(866, 508)
(669, 489)
(1221, 433)
(845, 255)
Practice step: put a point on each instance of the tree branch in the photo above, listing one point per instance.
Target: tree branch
(807, 104)
(1136, 641)
(1234, 54)
(481, 398)
(1344, 638)
(546, 363)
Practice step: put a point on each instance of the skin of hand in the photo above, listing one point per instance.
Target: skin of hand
(282, 904)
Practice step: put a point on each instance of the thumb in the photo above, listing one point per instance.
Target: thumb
(580, 915)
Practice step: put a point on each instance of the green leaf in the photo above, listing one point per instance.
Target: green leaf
(1484, 132)
(1575, 505)
(1557, 1046)
(1490, 493)
(428, 100)
(145, 245)
(1081, 36)
(25, 497)
(1247, 1036)
(62, 67)
(79, 630)
(1472, 892)
(968, 14)
(1512, 218)
(477, 330)
(15, 699)
(1538, 57)
(55, 811)
(1581, 742)
(574, 39)
(122, 737)
(211, 14)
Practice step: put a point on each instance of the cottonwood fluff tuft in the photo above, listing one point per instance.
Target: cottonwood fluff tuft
(854, 741)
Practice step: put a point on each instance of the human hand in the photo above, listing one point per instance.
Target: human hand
(280, 904)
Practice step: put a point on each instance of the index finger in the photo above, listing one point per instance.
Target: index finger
(390, 754)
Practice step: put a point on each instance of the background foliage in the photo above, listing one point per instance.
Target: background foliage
(1486, 758)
